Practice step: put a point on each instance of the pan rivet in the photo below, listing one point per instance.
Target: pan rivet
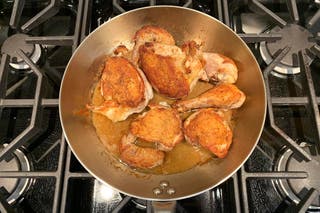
(171, 191)
(164, 184)
(157, 191)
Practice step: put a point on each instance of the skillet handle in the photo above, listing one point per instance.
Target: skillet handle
(163, 206)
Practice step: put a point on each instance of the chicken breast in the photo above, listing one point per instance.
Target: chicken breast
(139, 157)
(224, 96)
(219, 68)
(172, 71)
(160, 125)
(124, 88)
(208, 129)
(150, 33)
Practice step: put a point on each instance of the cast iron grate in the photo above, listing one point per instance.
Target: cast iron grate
(239, 183)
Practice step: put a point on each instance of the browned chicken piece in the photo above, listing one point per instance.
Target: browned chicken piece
(150, 33)
(223, 96)
(124, 88)
(219, 68)
(172, 71)
(160, 125)
(121, 50)
(208, 129)
(139, 157)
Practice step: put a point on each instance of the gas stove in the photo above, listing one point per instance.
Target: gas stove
(39, 173)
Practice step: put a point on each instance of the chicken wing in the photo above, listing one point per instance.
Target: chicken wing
(219, 68)
(208, 129)
(225, 96)
(124, 88)
(140, 157)
(150, 33)
(160, 125)
(172, 71)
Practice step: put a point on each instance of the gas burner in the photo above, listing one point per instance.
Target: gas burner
(295, 188)
(294, 36)
(16, 187)
(16, 42)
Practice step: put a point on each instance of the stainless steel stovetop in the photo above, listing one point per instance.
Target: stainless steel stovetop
(38, 172)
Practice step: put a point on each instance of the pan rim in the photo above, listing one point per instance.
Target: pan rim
(179, 197)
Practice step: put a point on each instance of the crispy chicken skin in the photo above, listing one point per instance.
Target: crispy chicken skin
(219, 68)
(150, 33)
(172, 71)
(194, 62)
(225, 96)
(162, 71)
(140, 157)
(161, 125)
(121, 50)
(121, 82)
(208, 129)
(124, 88)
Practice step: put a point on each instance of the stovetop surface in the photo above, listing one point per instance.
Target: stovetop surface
(56, 182)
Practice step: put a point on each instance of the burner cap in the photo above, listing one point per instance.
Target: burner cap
(292, 187)
(293, 36)
(16, 42)
(16, 187)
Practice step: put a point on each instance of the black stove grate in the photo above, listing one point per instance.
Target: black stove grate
(242, 192)
(309, 101)
(48, 182)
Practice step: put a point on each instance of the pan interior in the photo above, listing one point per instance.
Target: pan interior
(184, 24)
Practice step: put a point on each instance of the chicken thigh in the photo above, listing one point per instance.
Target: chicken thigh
(219, 68)
(225, 96)
(172, 71)
(208, 129)
(160, 125)
(140, 157)
(124, 88)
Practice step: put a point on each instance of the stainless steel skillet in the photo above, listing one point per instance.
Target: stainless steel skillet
(184, 24)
